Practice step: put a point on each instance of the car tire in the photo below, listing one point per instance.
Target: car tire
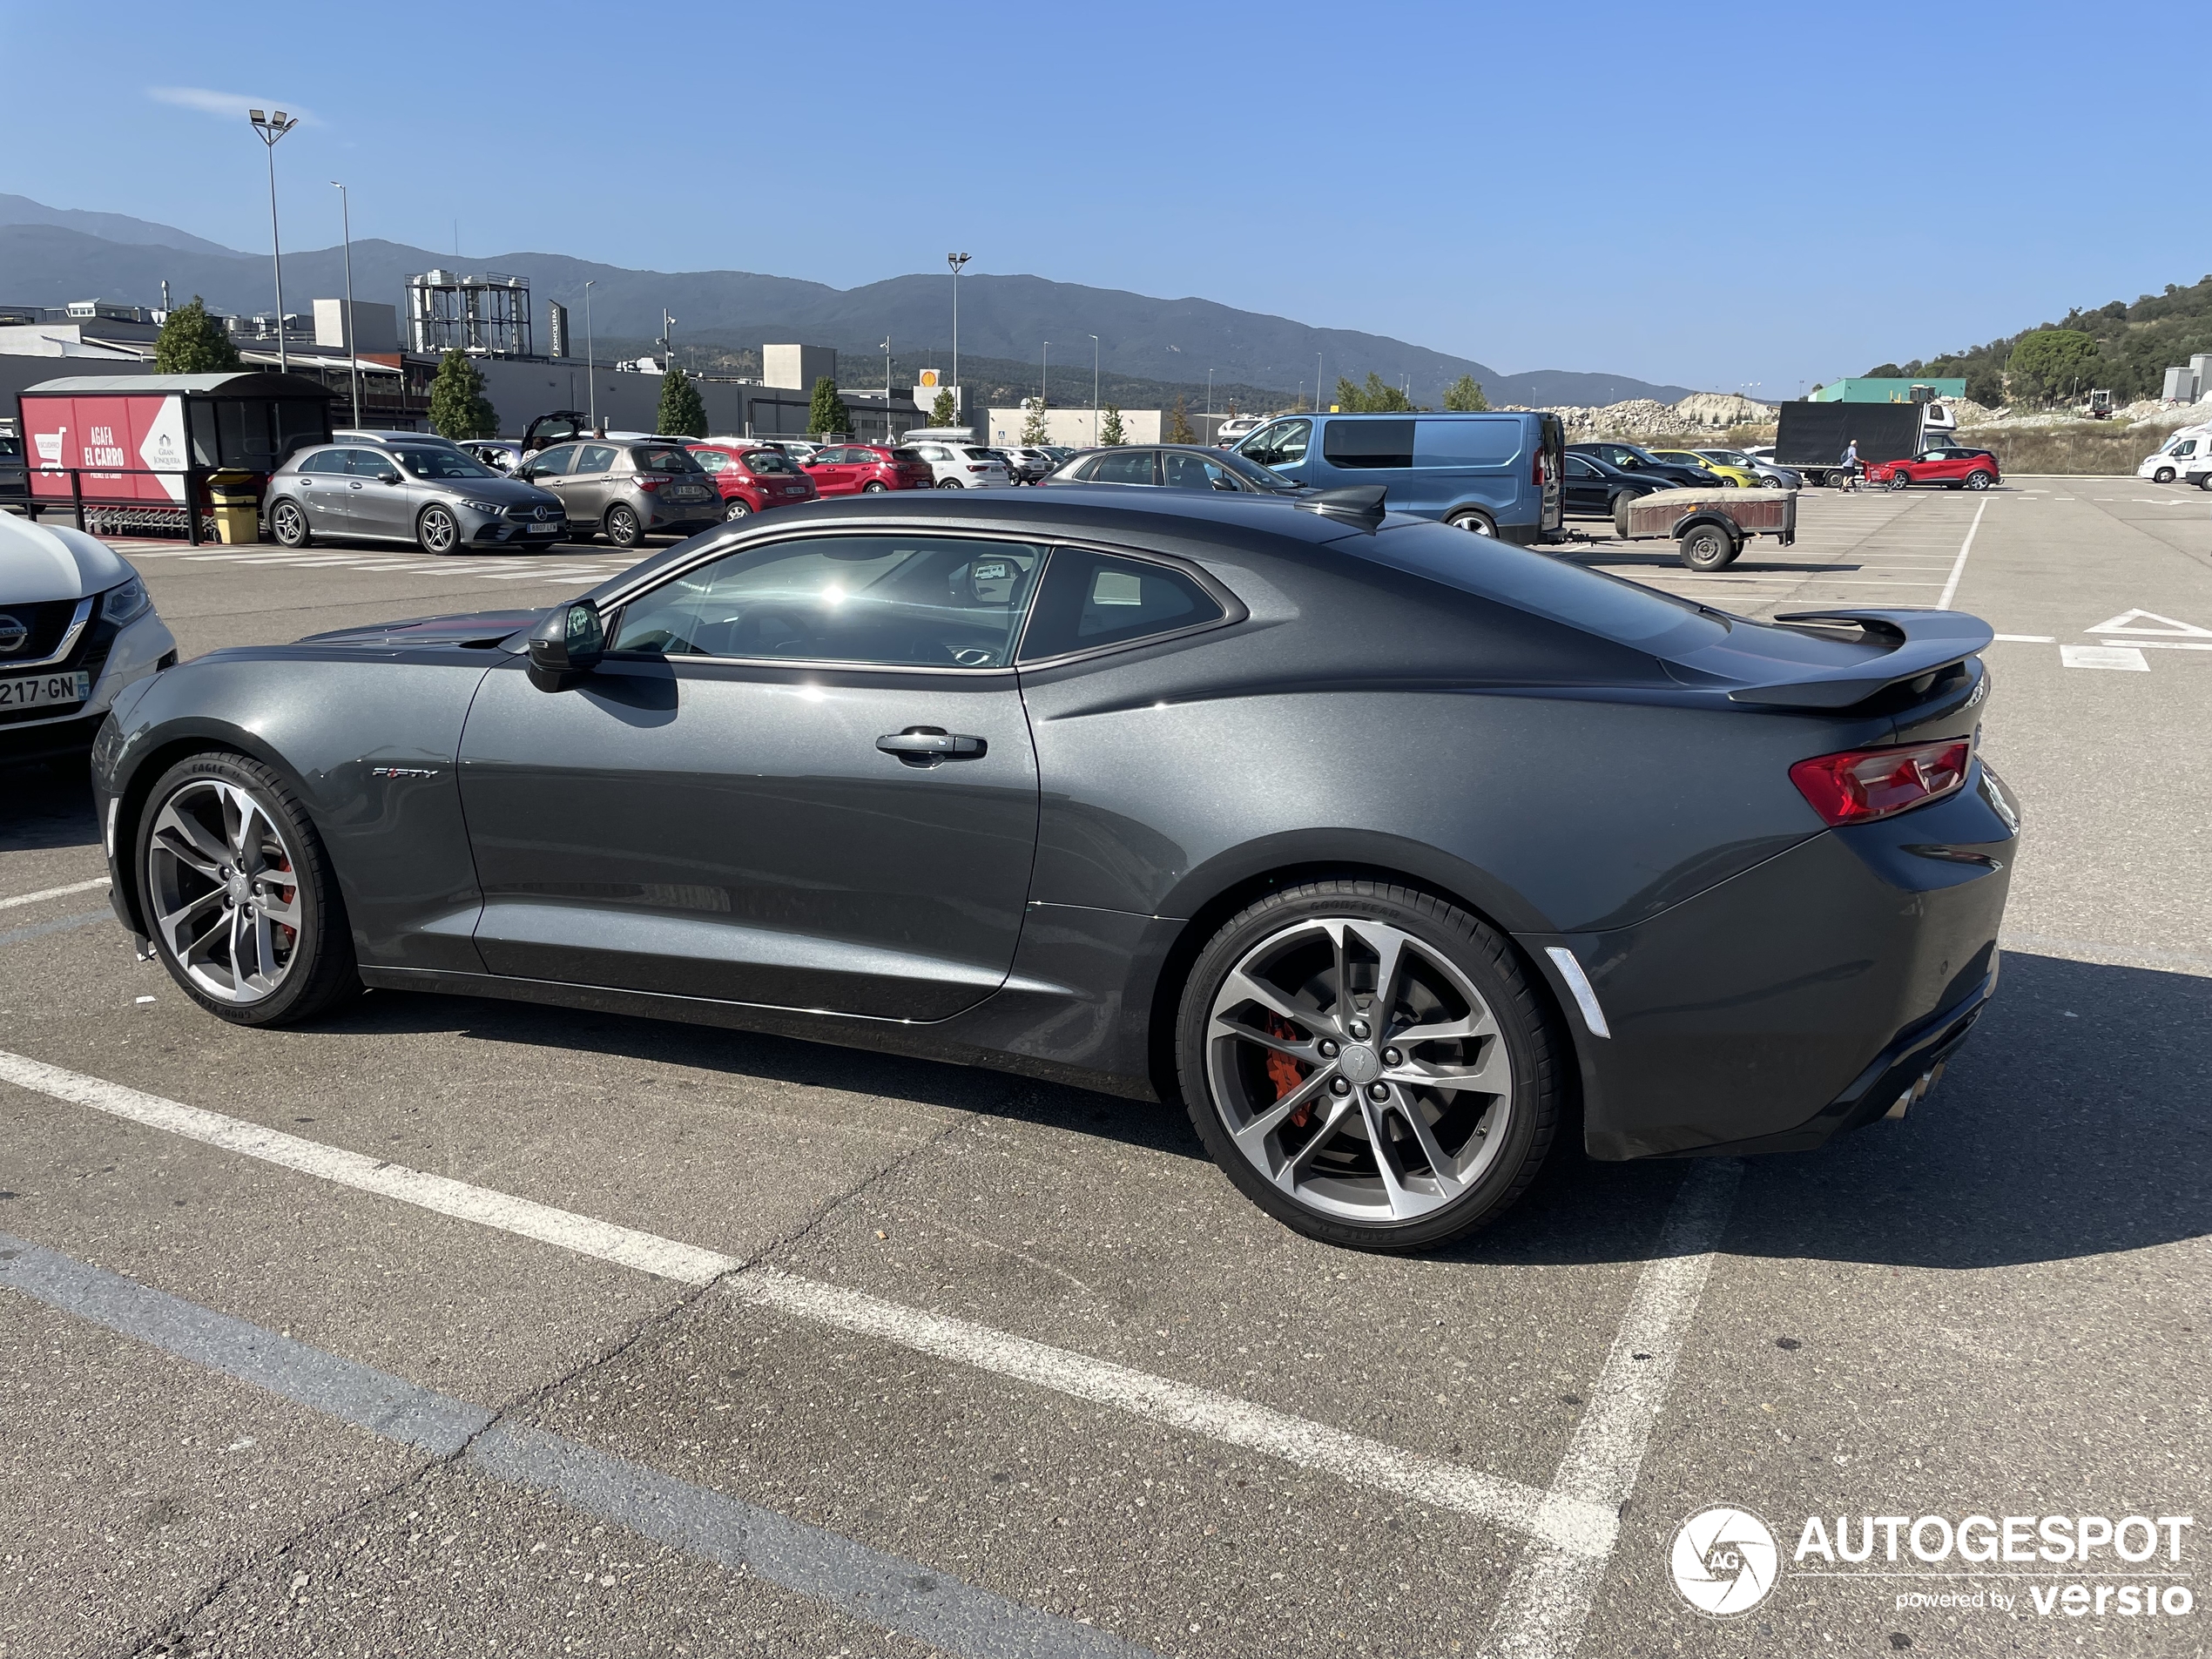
(874, 487)
(218, 829)
(1707, 547)
(1899, 480)
(736, 507)
(951, 483)
(436, 530)
(1264, 995)
(2163, 475)
(1476, 522)
(288, 524)
(623, 527)
(2205, 482)
(1979, 480)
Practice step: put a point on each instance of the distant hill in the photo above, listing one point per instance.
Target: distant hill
(53, 260)
(2135, 346)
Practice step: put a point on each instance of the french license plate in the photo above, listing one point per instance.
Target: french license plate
(36, 691)
(795, 489)
(687, 494)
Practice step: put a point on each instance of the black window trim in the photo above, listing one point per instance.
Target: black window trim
(1232, 609)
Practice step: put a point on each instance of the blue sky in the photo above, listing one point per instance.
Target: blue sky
(1717, 196)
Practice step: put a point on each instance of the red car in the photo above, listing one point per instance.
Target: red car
(1951, 466)
(753, 480)
(868, 469)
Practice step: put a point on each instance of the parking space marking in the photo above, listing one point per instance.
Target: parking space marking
(1566, 1523)
(65, 924)
(1548, 1600)
(2026, 640)
(905, 1595)
(2125, 657)
(44, 893)
(1951, 588)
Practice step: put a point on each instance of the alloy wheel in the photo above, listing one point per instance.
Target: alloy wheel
(438, 531)
(1977, 481)
(288, 525)
(223, 893)
(738, 508)
(1359, 1070)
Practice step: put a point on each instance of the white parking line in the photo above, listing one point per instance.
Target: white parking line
(1564, 1523)
(1951, 588)
(44, 893)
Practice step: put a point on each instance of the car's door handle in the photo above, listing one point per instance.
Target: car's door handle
(925, 746)
(355, 485)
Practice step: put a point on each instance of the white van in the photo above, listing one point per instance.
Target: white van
(2186, 455)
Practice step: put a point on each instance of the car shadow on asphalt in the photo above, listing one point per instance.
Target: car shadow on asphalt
(45, 809)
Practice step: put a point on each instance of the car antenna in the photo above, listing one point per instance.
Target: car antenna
(1361, 504)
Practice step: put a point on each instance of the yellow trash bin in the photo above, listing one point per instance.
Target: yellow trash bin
(236, 498)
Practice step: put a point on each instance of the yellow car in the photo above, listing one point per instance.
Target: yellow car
(1742, 477)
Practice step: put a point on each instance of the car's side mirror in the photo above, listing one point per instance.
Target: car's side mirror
(388, 476)
(1223, 483)
(566, 645)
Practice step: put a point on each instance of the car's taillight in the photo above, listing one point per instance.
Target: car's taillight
(979, 469)
(1540, 469)
(651, 480)
(1861, 785)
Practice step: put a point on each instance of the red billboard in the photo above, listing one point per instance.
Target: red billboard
(115, 440)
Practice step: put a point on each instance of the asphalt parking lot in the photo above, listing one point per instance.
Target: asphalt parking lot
(453, 1327)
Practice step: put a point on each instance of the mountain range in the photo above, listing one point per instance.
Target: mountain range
(50, 256)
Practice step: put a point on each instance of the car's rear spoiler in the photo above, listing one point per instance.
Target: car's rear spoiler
(1916, 642)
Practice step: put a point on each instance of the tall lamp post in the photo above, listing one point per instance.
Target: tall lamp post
(590, 376)
(1044, 380)
(1317, 382)
(352, 357)
(1094, 391)
(1210, 374)
(271, 128)
(956, 260)
(887, 438)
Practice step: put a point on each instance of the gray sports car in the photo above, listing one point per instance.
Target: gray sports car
(1390, 851)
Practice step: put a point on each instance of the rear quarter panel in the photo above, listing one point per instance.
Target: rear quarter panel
(328, 722)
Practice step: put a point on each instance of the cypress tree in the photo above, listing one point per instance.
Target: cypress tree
(192, 342)
(683, 415)
(827, 412)
(458, 406)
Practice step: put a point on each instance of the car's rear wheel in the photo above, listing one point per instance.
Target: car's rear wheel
(1368, 1063)
(1477, 523)
(622, 528)
(239, 896)
(1979, 480)
(1899, 480)
(874, 487)
(2163, 475)
(288, 525)
(435, 531)
(950, 484)
(1706, 547)
(737, 507)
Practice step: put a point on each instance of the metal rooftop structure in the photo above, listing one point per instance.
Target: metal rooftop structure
(488, 315)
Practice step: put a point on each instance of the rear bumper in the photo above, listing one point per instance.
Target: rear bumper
(1798, 999)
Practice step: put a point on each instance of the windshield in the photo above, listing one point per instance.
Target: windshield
(441, 463)
(1726, 457)
(1626, 612)
(767, 461)
(661, 459)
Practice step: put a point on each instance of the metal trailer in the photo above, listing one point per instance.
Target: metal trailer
(1710, 526)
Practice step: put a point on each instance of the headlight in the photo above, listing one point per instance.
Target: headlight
(491, 506)
(122, 604)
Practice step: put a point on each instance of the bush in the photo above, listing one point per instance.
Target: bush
(1178, 426)
(1464, 396)
(458, 406)
(192, 342)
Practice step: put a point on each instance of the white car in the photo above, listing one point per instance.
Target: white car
(77, 625)
(2183, 455)
(964, 466)
(1237, 426)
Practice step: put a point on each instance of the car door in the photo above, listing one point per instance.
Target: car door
(801, 778)
(831, 475)
(1586, 488)
(591, 483)
(1943, 466)
(549, 468)
(323, 492)
(376, 496)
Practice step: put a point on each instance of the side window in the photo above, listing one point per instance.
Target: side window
(1091, 599)
(551, 463)
(1086, 471)
(1180, 469)
(1459, 443)
(369, 463)
(1368, 443)
(329, 461)
(1123, 469)
(1578, 467)
(898, 601)
(1280, 445)
(594, 457)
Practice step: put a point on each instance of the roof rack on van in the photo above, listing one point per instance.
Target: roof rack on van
(1359, 503)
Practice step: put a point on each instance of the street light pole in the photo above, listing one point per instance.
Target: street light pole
(886, 389)
(1317, 382)
(1094, 391)
(271, 128)
(353, 356)
(956, 260)
(1044, 377)
(1210, 374)
(590, 376)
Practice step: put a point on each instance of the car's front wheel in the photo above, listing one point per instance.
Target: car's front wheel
(2163, 475)
(288, 525)
(436, 531)
(1369, 1063)
(1899, 480)
(239, 896)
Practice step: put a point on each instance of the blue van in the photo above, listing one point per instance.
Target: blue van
(1497, 473)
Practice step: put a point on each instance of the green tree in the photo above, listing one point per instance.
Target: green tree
(1986, 386)
(192, 342)
(1179, 429)
(2048, 362)
(1035, 431)
(1884, 372)
(458, 406)
(944, 411)
(1109, 431)
(1464, 396)
(827, 412)
(682, 413)
(1373, 398)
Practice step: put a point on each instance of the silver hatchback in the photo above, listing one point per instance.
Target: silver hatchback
(432, 495)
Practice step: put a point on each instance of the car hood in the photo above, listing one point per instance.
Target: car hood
(42, 562)
(508, 492)
(476, 627)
